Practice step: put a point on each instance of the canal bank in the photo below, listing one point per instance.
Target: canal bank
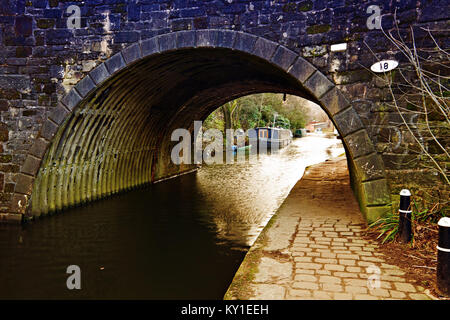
(313, 248)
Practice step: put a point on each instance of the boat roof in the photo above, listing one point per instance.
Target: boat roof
(271, 128)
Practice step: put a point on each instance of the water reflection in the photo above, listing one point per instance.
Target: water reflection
(242, 197)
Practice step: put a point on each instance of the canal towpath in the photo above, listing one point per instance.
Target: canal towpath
(314, 248)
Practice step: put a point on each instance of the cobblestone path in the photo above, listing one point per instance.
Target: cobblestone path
(314, 248)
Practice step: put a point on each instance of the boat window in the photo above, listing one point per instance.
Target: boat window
(263, 134)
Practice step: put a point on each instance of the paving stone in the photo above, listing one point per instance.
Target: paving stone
(305, 285)
(323, 260)
(393, 272)
(397, 294)
(303, 265)
(419, 296)
(332, 287)
(299, 293)
(271, 270)
(372, 259)
(303, 259)
(328, 279)
(328, 255)
(378, 292)
(268, 292)
(304, 271)
(313, 254)
(342, 296)
(348, 256)
(334, 267)
(298, 254)
(346, 274)
(322, 295)
(365, 297)
(323, 272)
(392, 278)
(355, 282)
(405, 287)
(305, 277)
(353, 269)
(347, 262)
(355, 289)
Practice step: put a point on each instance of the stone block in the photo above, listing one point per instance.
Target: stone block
(369, 167)
(225, 39)
(115, 63)
(85, 86)
(186, 39)
(167, 42)
(284, 57)
(17, 82)
(31, 165)
(126, 37)
(24, 184)
(24, 26)
(48, 130)
(334, 101)
(132, 53)
(150, 46)
(206, 38)
(318, 84)
(99, 74)
(71, 99)
(39, 147)
(264, 48)
(375, 192)
(348, 121)
(58, 114)
(58, 37)
(302, 69)
(245, 42)
(359, 144)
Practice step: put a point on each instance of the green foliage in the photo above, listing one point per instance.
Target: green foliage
(386, 226)
(426, 214)
(258, 110)
(214, 121)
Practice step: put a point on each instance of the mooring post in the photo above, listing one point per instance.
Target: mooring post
(443, 260)
(404, 223)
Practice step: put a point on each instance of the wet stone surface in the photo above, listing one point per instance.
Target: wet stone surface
(315, 248)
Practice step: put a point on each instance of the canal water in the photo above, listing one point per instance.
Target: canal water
(183, 238)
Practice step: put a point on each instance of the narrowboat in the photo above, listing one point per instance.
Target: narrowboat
(278, 137)
(300, 133)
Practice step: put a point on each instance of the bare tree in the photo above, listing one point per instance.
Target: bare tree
(421, 87)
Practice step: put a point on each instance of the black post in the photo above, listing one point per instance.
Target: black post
(404, 223)
(443, 262)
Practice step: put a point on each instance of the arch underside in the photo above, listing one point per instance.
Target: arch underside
(112, 131)
(119, 136)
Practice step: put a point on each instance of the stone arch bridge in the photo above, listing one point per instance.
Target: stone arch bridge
(89, 97)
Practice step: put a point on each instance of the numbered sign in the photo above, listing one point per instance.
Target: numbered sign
(384, 66)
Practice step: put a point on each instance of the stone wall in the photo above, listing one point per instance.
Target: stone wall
(41, 60)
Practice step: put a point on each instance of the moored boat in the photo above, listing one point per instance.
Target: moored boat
(272, 137)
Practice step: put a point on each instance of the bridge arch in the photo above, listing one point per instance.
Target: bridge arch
(112, 130)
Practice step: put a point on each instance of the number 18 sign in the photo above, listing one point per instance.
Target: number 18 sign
(384, 66)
